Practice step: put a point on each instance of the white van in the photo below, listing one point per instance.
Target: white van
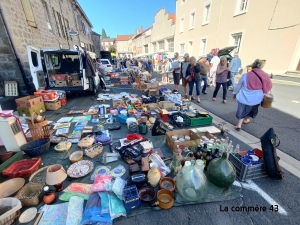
(71, 70)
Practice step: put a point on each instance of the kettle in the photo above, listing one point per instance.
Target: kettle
(143, 128)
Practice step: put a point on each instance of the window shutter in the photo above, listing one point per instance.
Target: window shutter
(28, 13)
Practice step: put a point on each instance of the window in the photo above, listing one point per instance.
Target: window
(192, 19)
(124, 49)
(54, 60)
(237, 41)
(154, 47)
(67, 28)
(182, 49)
(182, 2)
(34, 59)
(171, 45)
(28, 13)
(206, 13)
(243, 5)
(146, 48)
(56, 21)
(47, 17)
(203, 47)
(181, 24)
(161, 45)
(61, 25)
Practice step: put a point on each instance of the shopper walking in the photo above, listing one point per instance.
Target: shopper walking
(214, 62)
(221, 78)
(204, 71)
(193, 71)
(235, 66)
(249, 92)
(176, 72)
(150, 66)
(183, 69)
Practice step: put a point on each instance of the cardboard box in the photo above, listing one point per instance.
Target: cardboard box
(166, 104)
(52, 105)
(153, 92)
(74, 76)
(59, 76)
(152, 106)
(29, 102)
(28, 111)
(61, 83)
(47, 95)
(172, 145)
(76, 83)
(116, 103)
(152, 85)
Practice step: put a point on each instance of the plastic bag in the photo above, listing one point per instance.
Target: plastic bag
(118, 187)
(164, 170)
(116, 206)
(99, 183)
(92, 214)
(104, 202)
(75, 211)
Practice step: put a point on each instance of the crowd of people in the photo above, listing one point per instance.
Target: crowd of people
(144, 64)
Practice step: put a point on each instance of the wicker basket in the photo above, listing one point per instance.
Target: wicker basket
(38, 130)
(37, 147)
(63, 146)
(11, 216)
(76, 156)
(93, 151)
(31, 194)
(5, 156)
(11, 187)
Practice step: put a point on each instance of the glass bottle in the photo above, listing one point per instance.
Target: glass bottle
(216, 154)
(198, 153)
(204, 151)
(176, 166)
(200, 164)
(208, 158)
(237, 148)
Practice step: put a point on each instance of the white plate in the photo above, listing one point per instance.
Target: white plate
(28, 215)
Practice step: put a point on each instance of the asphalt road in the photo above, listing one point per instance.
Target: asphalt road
(284, 117)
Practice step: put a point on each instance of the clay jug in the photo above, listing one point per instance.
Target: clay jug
(153, 175)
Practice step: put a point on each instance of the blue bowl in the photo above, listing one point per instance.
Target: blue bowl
(250, 152)
(248, 157)
(246, 161)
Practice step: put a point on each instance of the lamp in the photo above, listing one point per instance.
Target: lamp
(55, 176)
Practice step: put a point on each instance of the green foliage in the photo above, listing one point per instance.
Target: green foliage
(104, 34)
(112, 49)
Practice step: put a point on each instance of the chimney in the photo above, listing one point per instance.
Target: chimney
(136, 31)
(141, 29)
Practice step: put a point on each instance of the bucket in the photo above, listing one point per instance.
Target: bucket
(267, 101)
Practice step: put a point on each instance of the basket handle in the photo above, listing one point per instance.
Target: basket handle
(32, 120)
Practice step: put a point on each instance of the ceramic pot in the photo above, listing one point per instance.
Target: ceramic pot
(221, 172)
(165, 199)
(49, 197)
(167, 183)
(153, 175)
(147, 194)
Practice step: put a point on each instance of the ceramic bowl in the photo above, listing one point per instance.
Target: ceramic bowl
(258, 152)
(246, 161)
(250, 152)
(247, 157)
(242, 153)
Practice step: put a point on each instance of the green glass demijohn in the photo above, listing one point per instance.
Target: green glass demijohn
(221, 172)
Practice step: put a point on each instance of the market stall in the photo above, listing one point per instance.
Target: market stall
(125, 155)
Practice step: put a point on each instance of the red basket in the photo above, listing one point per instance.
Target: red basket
(22, 168)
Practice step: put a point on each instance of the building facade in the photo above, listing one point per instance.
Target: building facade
(107, 43)
(137, 42)
(162, 33)
(260, 29)
(124, 45)
(146, 41)
(96, 42)
(32, 25)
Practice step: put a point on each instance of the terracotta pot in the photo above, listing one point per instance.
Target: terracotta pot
(49, 197)
(165, 199)
(147, 194)
(167, 183)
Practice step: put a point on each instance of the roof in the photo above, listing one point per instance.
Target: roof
(125, 37)
(108, 39)
(83, 13)
(172, 17)
(94, 33)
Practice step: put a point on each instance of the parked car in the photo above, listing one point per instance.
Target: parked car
(108, 67)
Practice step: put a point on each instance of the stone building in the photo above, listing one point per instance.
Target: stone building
(38, 24)
(137, 46)
(107, 43)
(146, 41)
(163, 31)
(123, 43)
(259, 29)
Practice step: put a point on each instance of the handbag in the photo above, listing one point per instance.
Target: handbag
(268, 145)
(229, 75)
(189, 78)
(268, 98)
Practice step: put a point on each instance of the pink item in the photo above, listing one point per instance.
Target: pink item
(79, 188)
(254, 82)
(99, 183)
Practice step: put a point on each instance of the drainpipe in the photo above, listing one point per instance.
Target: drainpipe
(29, 89)
(219, 24)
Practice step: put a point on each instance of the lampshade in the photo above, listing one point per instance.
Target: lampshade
(55, 174)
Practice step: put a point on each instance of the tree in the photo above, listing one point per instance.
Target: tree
(104, 34)
(112, 49)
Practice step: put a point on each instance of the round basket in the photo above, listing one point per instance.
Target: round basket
(5, 156)
(11, 216)
(31, 194)
(63, 146)
(39, 176)
(11, 186)
(76, 156)
(37, 147)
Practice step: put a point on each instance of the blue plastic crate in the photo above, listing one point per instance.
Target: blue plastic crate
(131, 198)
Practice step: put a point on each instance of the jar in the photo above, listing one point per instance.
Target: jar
(153, 175)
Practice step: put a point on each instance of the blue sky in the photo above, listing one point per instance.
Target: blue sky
(123, 17)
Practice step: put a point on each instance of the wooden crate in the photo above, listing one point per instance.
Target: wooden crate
(61, 83)
(76, 83)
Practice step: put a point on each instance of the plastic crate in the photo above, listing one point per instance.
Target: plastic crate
(200, 120)
(131, 198)
(11, 88)
(245, 172)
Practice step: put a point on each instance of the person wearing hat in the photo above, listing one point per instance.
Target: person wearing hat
(204, 71)
(176, 72)
(184, 66)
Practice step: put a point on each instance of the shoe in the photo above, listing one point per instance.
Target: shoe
(247, 121)
(198, 101)
(192, 98)
(230, 88)
(185, 96)
(204, 93)
(224, 101)
(214, 99)
(237, 128)
(175, 91)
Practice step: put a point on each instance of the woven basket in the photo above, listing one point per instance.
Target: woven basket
(10, 217)
(93, 151)
(76, 156)
(5, 156)
(63, 146)
(11, 187)
(31, 194)
(39, 176)
(38, 130)
(37, 147)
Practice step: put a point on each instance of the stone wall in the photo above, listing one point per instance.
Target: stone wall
(40, 36)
